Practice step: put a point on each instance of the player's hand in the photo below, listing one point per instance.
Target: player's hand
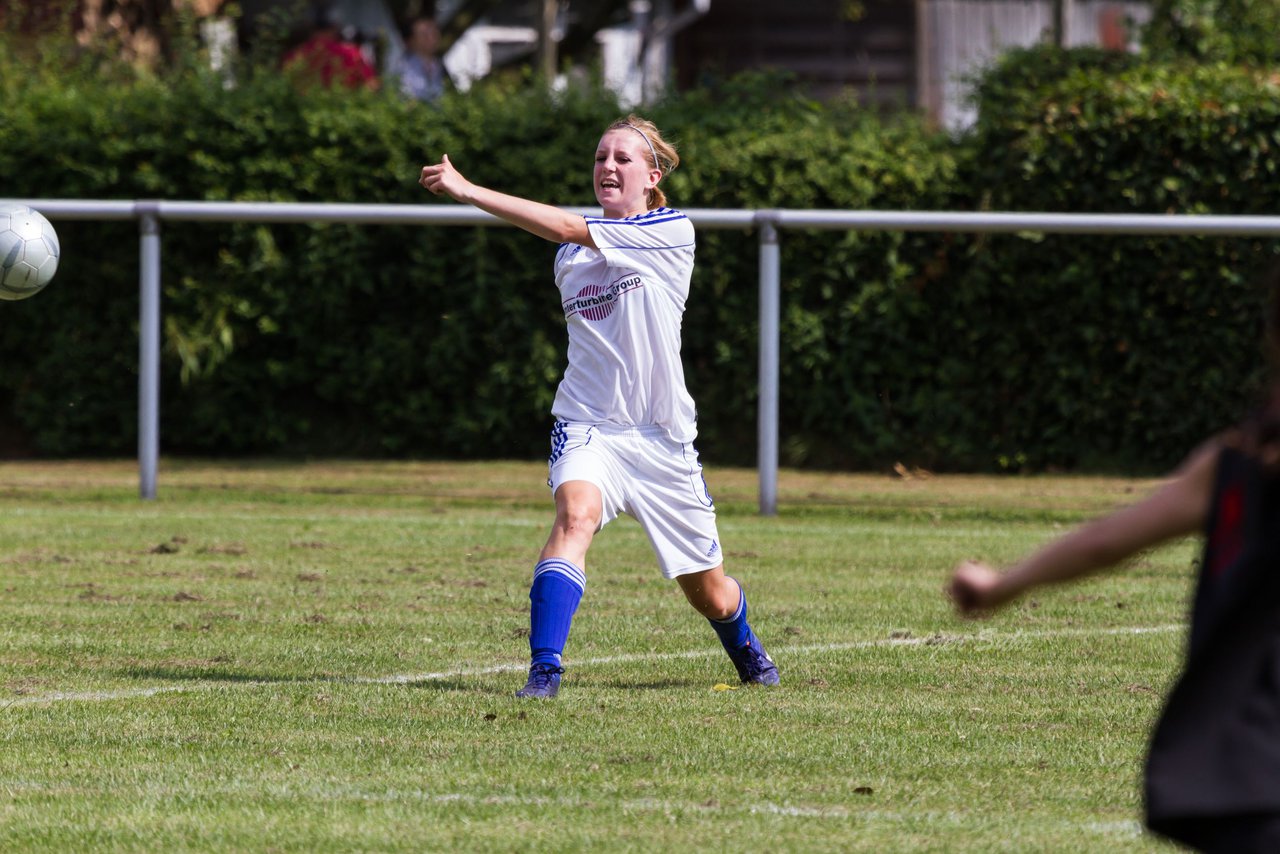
(442, 178)
(974, 587)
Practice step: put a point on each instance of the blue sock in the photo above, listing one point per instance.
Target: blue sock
(734, 632)
(557, 588)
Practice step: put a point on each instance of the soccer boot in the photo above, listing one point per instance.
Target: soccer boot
(544, 682)
(755, 667)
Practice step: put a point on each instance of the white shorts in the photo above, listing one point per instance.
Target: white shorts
(643, 473)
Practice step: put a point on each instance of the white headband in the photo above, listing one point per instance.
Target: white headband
(645, 136)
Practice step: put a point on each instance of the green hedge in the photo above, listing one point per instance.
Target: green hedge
(951, 352)
(1141, 345)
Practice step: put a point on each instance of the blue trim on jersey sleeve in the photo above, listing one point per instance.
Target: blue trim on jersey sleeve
(645, 224)
(653, 217)
(656, 217)
(562, 257)
(649, 248)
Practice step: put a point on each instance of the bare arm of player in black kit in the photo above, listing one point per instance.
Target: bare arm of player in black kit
(1178, 508)
(1214, 757)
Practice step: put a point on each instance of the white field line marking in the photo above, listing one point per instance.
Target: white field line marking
(932, 640)
(332, 793)
(122, 694)
(410, 678)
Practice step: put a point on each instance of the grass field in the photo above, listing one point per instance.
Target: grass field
(321, 657)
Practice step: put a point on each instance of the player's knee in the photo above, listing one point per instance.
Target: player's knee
(719, 608)
(713, 602)
(579, 519)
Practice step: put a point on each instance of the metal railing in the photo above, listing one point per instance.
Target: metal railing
(767, 223)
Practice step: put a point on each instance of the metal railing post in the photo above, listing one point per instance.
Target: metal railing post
(770, 309)
(148, 347)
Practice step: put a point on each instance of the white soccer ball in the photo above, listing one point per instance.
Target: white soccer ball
(28, 251)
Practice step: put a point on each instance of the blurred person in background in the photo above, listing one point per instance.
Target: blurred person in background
(420, 74)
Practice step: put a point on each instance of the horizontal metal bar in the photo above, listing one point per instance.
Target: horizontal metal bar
(1057, 223)
(296, 212)
(723, 218)
(356, 214)
(289, 212)
(80, 208)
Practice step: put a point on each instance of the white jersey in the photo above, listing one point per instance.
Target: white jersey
(623, 305)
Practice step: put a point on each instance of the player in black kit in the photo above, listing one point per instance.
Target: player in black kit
(1213, 766)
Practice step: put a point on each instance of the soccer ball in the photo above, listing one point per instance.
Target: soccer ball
(28, 251)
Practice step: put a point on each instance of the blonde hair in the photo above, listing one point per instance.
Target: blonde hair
(664, 153)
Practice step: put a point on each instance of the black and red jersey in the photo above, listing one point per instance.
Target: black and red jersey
(1215, 752)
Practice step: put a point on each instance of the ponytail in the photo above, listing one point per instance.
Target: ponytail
(665, 158)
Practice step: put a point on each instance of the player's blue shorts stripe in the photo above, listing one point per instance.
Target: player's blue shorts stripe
(559, 437)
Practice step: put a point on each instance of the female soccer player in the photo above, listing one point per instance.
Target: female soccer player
(1213, 768)
(625, 424)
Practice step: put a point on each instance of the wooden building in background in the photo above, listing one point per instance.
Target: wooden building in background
(894, 54)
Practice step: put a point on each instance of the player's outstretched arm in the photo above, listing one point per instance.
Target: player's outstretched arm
(1176, 509)
(546, 221)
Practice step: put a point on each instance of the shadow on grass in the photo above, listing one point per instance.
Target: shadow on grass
(216, 675)
(180, 674)
(508, 688)
(656, 685)
(455, 685)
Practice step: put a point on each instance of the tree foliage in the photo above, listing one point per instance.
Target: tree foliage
(1228, 31)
